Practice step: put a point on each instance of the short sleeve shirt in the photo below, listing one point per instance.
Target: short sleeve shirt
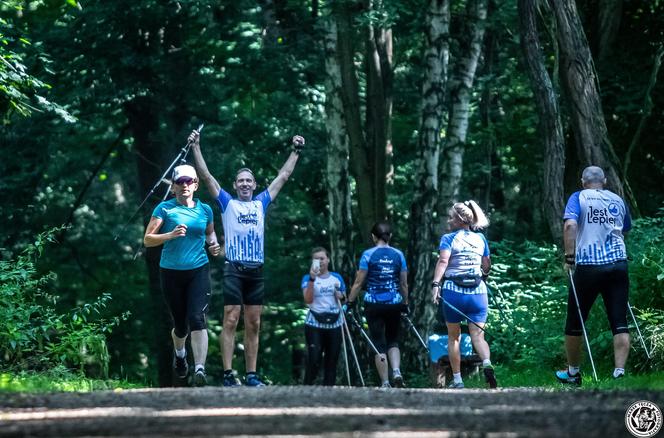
(602, 217)
(244, 227)
(384, 266)
(186, 252)
(324, 298)
(466, 251)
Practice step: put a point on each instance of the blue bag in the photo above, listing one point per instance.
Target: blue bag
(438, 346)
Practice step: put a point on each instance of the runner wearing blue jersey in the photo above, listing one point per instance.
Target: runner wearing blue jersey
(463, 261)
(596, 221)
(384, 275)
(322, 291)
(183, 225)
(243, 219)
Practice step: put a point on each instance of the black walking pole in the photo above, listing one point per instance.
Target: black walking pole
(366, 336)
(180, 157)
(412, 327)
(583, 326)
(638, 330)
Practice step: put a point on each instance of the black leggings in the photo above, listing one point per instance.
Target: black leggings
(187, 295)
(612, 282)
(384, 322)
(321, 342)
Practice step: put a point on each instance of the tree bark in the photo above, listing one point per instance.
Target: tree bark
(422, 240)
(461, 84)
(550, 124)
(581, 88)
(340, 220)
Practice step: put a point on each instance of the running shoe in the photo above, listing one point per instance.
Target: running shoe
(455, 385)
(252, 379)
(230, 380)
(200, 378)
(397, 378)
(386, 384)
(490, 377)
(564, 376)
(180, 366)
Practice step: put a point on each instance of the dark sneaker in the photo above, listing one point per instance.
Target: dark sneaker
(180, 366)
(564, 376)
(252, 380)
(455, 385)
(490, 377)
(397, 379)
(230, 380)
(200, 378)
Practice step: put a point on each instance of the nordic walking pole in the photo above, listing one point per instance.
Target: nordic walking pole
(366, 336)
(352, 349)
(180, 157)
(462, 314)
(343, 342)
(643, 343)
(583, 326)
(412, 326)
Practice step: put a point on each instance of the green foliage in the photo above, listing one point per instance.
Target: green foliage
(33, 334)
(58, 378)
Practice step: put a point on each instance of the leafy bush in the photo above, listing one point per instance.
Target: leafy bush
(33, 335)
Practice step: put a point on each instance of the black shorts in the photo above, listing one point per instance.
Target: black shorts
(384, 321)
(187, 295)
(612, 283)
(243, 285)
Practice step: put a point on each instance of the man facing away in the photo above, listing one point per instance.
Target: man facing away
(243, 220)
(593, 234)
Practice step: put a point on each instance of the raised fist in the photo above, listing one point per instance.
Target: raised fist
(298, 144)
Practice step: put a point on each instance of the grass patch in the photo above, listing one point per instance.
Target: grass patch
(58, 379)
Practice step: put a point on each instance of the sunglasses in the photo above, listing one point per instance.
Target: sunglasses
(184, 180)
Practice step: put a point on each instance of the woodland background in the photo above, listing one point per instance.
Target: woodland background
(406, 106)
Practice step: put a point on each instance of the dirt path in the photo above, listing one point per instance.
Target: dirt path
(301, 411)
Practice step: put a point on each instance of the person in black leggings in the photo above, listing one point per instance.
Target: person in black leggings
(322, 291)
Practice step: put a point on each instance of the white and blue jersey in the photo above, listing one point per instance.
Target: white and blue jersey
(244, 227)
(602, 217)
(466, 251)
(325, 299)
(384, 266)
(187, 252)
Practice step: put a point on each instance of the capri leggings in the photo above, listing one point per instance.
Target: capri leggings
(384, 322)
(322, 341)
(612, 283)
(187, 295)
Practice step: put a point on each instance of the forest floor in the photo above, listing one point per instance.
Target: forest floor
(333, 412)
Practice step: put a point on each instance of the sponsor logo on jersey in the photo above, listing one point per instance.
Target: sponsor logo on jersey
(248, 219)
(600, 216)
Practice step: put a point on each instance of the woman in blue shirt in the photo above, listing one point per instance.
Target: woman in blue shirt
(384, 274)
(462, 264)
(184, 225)
(322, 291)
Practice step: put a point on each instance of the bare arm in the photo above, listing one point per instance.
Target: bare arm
(203, 173)
(211, 239)
(287, 169)
(486, 265)
(441, 266)
(153, 238)
(404, 286)
(360, 276)
(569, 236)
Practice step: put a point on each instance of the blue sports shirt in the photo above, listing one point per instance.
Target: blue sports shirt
(244, 227)
(602, 217)
(384, 265)
(186, 252)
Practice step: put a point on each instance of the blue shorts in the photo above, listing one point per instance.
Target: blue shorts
(474, 306)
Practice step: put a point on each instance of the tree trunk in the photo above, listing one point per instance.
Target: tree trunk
(422, 242)
(340, 220)
(461, 84)
(580, 84)
(550, 125)
(609, 15)
(143, 123)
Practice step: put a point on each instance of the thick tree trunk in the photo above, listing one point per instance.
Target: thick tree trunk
(423, 236)
(580, 84)
(550, 125)
(340, 220)
(461, 84)
(143, 123)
